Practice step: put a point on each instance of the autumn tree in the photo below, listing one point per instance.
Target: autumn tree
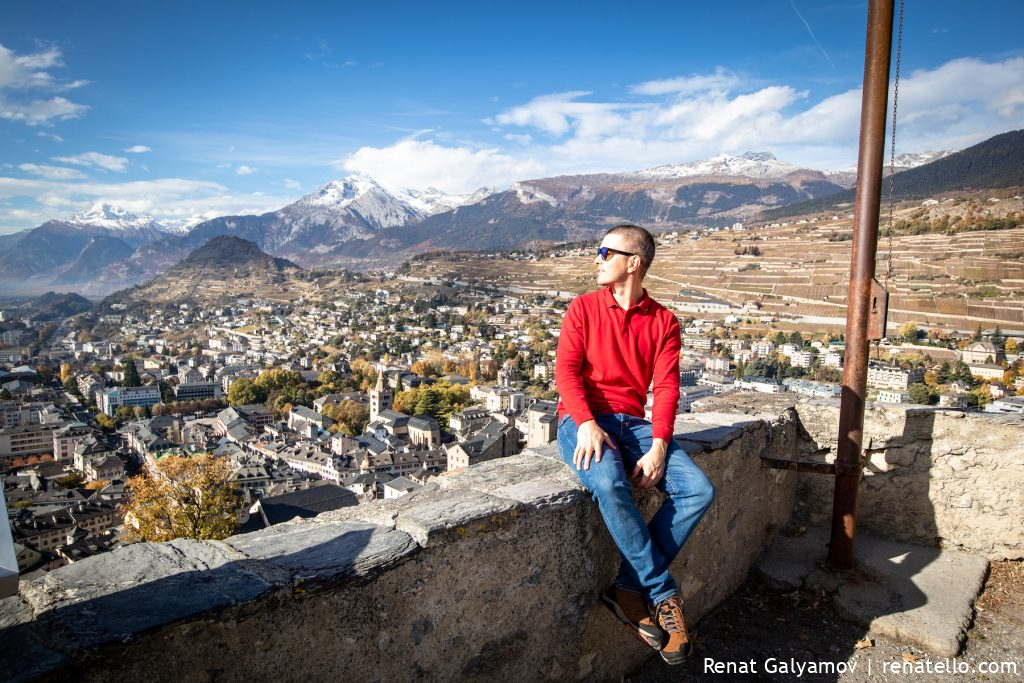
(908, 331)
(350, 417)
(182, 497)
(244, 392)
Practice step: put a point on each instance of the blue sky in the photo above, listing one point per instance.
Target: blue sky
(191, 110)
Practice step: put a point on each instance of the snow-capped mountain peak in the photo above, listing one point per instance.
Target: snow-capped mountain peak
(341, 193)
(433, 201)
(356, 197)
(112, 217)
(749, 164)
(913, 160)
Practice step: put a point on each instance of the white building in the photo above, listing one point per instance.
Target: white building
(689, 395)
(111, 399)
(761, 384)
(895, 378)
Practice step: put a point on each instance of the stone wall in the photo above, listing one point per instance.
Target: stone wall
(930, 476)
(491, 573)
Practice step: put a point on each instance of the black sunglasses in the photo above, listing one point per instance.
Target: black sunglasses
(604, 251)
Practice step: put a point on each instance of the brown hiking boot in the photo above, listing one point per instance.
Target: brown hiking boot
(669, 613)
(631, 609)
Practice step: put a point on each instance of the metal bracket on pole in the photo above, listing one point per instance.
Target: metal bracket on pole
(879, 311)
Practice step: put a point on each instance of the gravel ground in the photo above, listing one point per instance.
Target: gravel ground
(770, 630)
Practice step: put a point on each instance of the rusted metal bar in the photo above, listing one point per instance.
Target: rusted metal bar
(815, 466)
(870, 158)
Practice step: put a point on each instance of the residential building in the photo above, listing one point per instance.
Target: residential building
(1010, 404)
(986, 370)
(806, 387)
(893, 377)
(688, 395)
(764, 385)
(111, 399)
(542, 423)
(702, 343)
(802, 358)
(720, 383)
(197, 391)
(982, 353)
(26, 440)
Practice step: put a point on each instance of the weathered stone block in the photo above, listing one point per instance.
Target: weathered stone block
(139, 587)
(451, 515)
(317, 555)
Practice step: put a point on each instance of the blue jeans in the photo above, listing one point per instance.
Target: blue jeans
(647, 550)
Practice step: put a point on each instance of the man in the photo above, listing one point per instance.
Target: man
(614, 342)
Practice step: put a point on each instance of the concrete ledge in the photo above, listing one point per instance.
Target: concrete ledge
(492, 572)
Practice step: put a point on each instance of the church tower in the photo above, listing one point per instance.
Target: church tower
(381, 397)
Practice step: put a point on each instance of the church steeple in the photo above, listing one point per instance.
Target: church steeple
(381, 397)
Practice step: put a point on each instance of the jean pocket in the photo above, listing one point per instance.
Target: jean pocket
(564, 418)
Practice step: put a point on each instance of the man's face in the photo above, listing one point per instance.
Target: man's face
(616, 268)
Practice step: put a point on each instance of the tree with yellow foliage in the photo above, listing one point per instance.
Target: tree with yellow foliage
(182, 497)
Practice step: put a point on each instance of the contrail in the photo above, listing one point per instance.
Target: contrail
(814, 37)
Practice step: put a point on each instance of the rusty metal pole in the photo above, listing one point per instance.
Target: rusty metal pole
(862, 272)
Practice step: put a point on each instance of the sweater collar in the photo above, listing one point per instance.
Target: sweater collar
(644, 304)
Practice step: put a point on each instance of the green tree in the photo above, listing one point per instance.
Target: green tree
(186, 497)
(796, 338)
(432, 403)
(131, 374)
(920, 394)
(998, 338)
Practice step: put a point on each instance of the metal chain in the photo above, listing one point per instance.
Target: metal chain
(892, 149)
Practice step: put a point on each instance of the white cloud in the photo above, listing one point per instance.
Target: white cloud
(245, 170)
(22, 73)
(557, 114)
(522, 139)
(424, 163)
(291, 184)
(50, 136)
(137, 149)
(681, 119)
(52, 172)
(104, 161)
(41, 112)
(722, 80)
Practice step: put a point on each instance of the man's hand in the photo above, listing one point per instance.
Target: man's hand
(589, 438)
(651, 467)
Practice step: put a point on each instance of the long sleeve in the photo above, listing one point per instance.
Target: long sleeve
(569, 361)
(666, 383)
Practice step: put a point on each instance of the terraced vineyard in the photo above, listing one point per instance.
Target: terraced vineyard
(800, 278)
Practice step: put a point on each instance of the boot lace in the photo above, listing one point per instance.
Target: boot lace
(670, 616)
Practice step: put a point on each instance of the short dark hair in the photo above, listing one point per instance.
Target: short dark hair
(638, 241)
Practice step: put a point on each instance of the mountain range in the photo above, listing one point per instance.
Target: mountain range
(994, 163)
(357, 223)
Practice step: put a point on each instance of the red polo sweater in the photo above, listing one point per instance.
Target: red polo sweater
(607, 358)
